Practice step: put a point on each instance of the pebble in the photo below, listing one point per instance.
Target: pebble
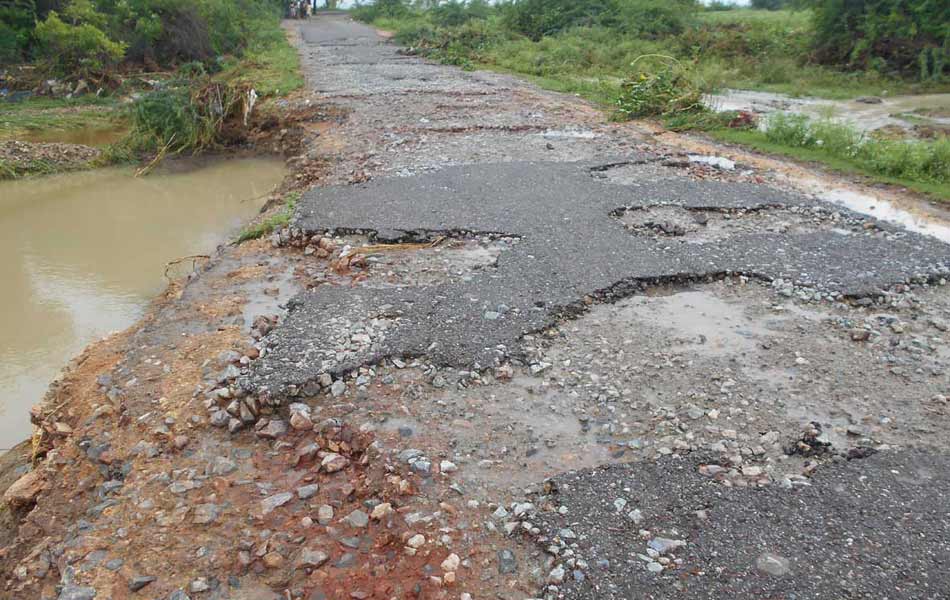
(773, 564)
(416, 541)
(451, 562)
(664, 545)
(205, 513)
(311, 559)
(358, 519)
(333, 462)
(270, 503)
(380, 511)
(307, 491)
(140, 581)
(324, 514)
(507, 563)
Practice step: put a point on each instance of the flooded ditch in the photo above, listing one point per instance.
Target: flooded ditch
(85, 252)
(866, 114)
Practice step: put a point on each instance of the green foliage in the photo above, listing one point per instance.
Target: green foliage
(716, 5)
(81, 49)
(664, 90)
(769, 4)
(538, 18)
(17, 20)
(910, 37)
(186, 115)
(461, 46)
(927, 161)
(89, 35)
(648, 18)
(381, 9)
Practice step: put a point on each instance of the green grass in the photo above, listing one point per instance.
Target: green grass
(886, 170)
(793, 18)
(272, 223)
(271, 67)
(743, 48)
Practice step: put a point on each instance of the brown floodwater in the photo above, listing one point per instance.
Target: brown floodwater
(87, 136)
(83, 254)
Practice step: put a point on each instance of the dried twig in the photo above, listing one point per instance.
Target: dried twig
(158, 158)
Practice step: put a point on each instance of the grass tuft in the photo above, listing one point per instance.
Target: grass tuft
(274, 222)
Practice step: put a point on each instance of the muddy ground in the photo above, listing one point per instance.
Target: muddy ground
(712, 385)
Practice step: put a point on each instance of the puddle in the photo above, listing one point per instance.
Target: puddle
(917, 217)
(86, 136)
(889, 112)
(268, 297)
(697, 320)
(542, 436)
(85, 252)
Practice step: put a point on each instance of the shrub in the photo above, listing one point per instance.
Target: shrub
(186, 115)
(655, 18)
(909, 159)
(662, 91)
(455, 12)
(17, 19)
(538, 18)
(459, 46)
(911, 37)
(81, 49)
(380, 9)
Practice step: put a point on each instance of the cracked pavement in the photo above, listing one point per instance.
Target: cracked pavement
(571, 247)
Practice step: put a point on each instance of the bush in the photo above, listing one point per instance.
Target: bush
(655, 18)
(17, 20)
(188, 114)
(648, 18)
(461, 46)
(662, 91)
(380, 9)
(913, 160)
(769, 4)
(455, 12)
(76, 49)
(911, 37)
(538, 18)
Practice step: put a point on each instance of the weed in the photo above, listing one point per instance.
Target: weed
(662, 91)
(274, 222)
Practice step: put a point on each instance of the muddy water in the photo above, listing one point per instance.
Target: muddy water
(84, 253)
(86, 136)
(899, 111)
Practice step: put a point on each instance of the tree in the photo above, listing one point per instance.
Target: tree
(906, 36)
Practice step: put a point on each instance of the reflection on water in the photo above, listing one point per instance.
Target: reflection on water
(83, 253)
(87, 136)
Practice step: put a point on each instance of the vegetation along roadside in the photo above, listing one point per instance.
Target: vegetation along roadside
(658, 58)
(148, 79)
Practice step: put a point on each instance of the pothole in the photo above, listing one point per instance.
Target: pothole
(429, 263)
(695, 225)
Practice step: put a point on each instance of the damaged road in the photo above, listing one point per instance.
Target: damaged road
(571, 247)
(506, 349)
